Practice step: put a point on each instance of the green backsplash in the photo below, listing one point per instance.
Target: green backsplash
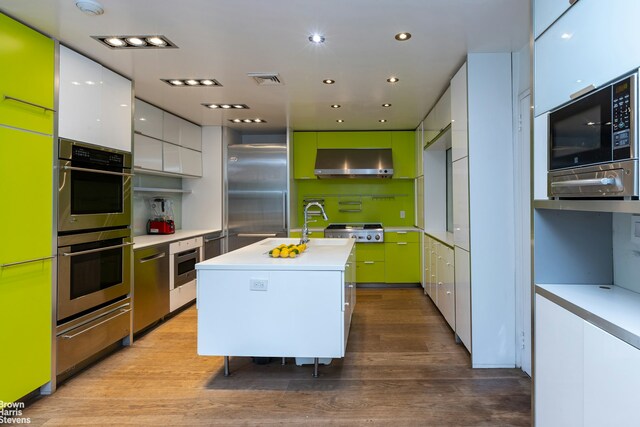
(376, 200)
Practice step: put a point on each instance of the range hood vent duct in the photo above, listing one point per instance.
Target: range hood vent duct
(354, 163)
(267, 79)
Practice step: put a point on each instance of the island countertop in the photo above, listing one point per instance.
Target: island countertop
(321, 254)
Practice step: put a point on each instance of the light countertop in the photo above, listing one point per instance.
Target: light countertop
(147, 240)
(615, 310)
(321, 254)
(443, 237)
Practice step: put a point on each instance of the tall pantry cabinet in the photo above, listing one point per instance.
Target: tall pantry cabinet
(26, 185)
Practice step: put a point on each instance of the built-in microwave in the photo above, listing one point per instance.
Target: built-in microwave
(94, 187)
(593, 144)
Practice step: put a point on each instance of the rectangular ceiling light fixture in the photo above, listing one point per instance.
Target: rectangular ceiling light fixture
(192, 82)
(227, 106)
(136, 42)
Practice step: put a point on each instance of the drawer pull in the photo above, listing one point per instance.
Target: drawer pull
(152, 257)
(121, 312)
(402, 243)
(11, 98)
(448, 292)
(11, 264)
(369, 262)
(346, 303)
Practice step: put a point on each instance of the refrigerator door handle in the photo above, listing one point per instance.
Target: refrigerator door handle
(256, 234)
(284, 210)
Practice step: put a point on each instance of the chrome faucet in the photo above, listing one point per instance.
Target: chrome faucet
(304, 238)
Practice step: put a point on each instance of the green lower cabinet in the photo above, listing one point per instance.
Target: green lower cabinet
(370, 271)
(25, 315)
(402, 262)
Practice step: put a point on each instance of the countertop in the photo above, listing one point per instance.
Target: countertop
(147, 240)
(446, 238)
(321, 254)
(615, 310)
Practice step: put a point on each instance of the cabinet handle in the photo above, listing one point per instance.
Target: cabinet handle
(11, 264)
(449, 264)
(351, 286)
(111, 317)
(346, 303)
(582, 91)
(369, 262)
(439, 283)
(11, 98)
(448, 292)
(401, 232)
(257, 234)
(402, 243)
(593, 182)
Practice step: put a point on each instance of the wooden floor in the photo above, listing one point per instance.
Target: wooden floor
(402, 368)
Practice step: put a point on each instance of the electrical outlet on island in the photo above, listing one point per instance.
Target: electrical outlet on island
(258, 284)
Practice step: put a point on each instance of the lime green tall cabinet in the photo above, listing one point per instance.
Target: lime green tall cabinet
(26, 181)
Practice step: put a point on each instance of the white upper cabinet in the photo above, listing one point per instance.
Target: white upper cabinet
(547, 11)
(95, 103)
(116, 111)
(171, 128)
(147, 153)
(438, 118)
(591, 44)
(190, 135)
(80, 97)
(190, 162)
(461, 203)
(148, 119)
(459, 135)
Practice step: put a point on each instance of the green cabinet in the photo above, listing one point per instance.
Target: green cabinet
(402, 257)
(304, 155)
(26, 77)
(25, 267)
(404, 166)
(370, 262)
(369, 139)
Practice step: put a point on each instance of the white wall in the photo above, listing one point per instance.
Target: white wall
(202, 208)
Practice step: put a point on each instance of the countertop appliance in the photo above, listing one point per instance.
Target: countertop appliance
(94, 187)
(162, 222)
(354, 163)
(257, 193)
(363, 233)
(593, 143)
(150, 285)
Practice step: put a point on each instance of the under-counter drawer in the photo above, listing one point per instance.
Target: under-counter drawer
(402, 236)
(369, 271)
(370, 251)
(183, 245)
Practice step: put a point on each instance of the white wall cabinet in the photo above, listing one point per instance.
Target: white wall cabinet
(439, 278)
(95, 103)
(190, 135)
(572, 55)
(545, 12)
(461, 203)
(147, 153)
(148, 119)
(438, 118)
(459, 132)
(462, 282)
(190, 162)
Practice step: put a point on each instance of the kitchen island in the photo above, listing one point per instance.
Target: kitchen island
(250, 304)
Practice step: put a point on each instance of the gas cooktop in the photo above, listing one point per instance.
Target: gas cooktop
(365, 233)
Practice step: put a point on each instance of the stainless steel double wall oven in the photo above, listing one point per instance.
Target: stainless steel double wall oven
(94, 251)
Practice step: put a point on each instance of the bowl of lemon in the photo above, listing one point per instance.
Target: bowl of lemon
(287, 251)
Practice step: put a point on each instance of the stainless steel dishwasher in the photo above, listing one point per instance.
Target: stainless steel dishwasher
(213, 245)
(150, 286)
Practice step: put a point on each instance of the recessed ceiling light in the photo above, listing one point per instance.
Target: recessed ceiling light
(115, 42)
(566, 36)
(335, 106)
(403, 36)
(135, 42)
(257, 120)
(90, 83)
(236, 121)
(156, 41)
(382, 120)
(340, 121)
(316, 38)
(386, 105)
(393, 79)
(328, 81)
(192, 82)
(247, 120)
(124, 105)
(227, 106)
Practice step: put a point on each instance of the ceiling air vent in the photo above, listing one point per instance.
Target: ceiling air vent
(267, 79)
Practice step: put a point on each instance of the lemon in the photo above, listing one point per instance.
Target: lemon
(293, 254)
(282, 246)
(275, 253)
(295, 250)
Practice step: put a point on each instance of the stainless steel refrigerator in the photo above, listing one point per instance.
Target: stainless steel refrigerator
(257, 193)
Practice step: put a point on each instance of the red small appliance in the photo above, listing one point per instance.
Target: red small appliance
(162, 223)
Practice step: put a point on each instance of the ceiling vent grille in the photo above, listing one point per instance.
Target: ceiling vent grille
(267, 79)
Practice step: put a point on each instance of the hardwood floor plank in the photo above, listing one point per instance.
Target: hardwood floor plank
(402, 368)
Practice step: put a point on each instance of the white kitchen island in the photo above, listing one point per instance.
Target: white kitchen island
(250, 304)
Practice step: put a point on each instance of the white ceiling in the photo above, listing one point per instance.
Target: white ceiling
(226, 40)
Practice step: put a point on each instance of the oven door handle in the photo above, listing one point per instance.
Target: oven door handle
(91, 251)
(593, 182)
(75, 168)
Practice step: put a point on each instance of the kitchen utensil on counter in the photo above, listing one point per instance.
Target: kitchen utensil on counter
(162, 222)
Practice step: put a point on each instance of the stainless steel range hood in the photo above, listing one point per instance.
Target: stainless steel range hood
(354, 163)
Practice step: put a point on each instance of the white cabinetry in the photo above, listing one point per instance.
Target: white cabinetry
(438, 118)
(459, 134)
(461, 203)
(95, 103)
(439, 278)
(463, 296)
(178, 143)
(584, 375)
(547, 11)
(591, 44)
